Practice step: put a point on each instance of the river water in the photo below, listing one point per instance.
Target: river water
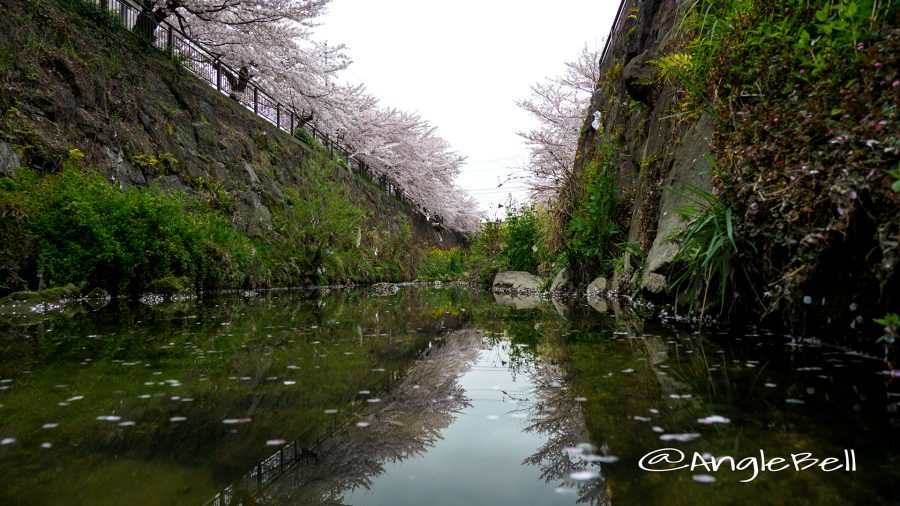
(435, 397)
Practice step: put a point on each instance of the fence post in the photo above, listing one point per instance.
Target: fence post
(291, 128)
(218, 66)
(170, 41)
(278, 114)
(255, 99)
(123, 14)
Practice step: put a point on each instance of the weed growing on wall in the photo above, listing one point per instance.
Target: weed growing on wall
(806, 95)
(594, 237)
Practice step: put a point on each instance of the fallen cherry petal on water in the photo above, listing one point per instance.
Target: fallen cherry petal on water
(709, 420)
(585, 475)
(679, 437)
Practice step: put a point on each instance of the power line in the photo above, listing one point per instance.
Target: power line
(489, 192)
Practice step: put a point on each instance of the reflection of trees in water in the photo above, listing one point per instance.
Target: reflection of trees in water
(406, 423)
(557, 416)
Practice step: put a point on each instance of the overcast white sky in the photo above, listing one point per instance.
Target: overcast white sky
(461, 64)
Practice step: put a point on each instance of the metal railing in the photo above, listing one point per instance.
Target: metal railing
(237, 85)
(612, 31)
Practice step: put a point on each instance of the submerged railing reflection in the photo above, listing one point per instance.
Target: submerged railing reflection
(557, 415)
(412, 411)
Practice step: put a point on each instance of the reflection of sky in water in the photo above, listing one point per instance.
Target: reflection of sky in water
(479, 458)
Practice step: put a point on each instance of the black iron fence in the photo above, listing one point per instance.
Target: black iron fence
(237, 84)
(617, 23)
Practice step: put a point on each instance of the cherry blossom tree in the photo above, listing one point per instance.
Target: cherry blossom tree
(406, 150)
(269, 40)
(559, 104)
(272, 43)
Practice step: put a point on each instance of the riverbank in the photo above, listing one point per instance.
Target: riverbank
(74, 227)
(119, 170)
(738, 160)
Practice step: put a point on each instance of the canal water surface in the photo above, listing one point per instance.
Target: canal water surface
(431, 396)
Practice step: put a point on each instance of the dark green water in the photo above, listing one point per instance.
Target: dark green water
(428, 396)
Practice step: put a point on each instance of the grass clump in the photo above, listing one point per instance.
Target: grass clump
(709, 256)
(443, 265)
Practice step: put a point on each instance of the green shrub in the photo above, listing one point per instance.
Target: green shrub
(170, 285)
(592, 228)
(483, 260)
(77, 227)
(72, 226)
(14, 236)
(523, 239)
(445, 265)
(319, 228)
(86, 229)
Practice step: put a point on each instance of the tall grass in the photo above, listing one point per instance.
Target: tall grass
(709, 256)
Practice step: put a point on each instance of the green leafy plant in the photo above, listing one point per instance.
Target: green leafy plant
(708, 255)
(155, 164)
(85, 229)
(483, 259)
(891, 323)
(592, 229)
(523, 238)
(442, 265)
(895, 186)
(613, 74)
(672, 63)
(837, 25)
(681, 66)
